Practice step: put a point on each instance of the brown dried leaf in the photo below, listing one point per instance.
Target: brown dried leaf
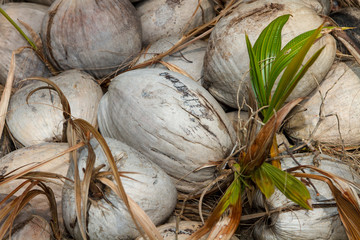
(259, 149)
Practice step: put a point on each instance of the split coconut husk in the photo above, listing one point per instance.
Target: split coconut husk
(41, 119)
(181, 231)
(172, 120)
(188, 61)
(28, 224)
(94, 36)
(286, 221)
(27, 157)
(164, 18)
(108, 218)
(330, 114)
(28, 64)
(226, 64)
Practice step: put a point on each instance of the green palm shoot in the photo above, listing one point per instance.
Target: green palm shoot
(267, 62)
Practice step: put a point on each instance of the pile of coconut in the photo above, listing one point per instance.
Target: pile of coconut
(157, 87)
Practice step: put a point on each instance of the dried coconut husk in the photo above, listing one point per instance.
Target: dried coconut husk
(348, 17)
(27, 62)
(172, 120)
(41, 120)
(28, 224)
(181, 230)
(286, 221)
(189, 60)
(164, 18)
(108, 218)
(27, 157)
(331, 115)
(226, 63)
(90, 35)
(44, 2)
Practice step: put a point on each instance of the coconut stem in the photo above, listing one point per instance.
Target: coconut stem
(18, 28)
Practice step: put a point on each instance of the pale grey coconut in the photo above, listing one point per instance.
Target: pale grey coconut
(42, 119)
(320, 6)
(336, 104)
(28, 63)
(190, 59)
(172, 120)
(321, 223)
(95, 36)
(149, 186)
(164, 18)
(226, 64)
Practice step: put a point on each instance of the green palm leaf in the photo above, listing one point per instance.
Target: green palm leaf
(290, 186)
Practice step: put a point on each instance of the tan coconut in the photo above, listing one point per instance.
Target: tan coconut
(94, 36)
(226, 63)
(164, 18)
(321, 223)
(42, 119)
(36, 228)
(335, 103)
(184, 230)
(149, 186)
(27, 62)
(190, 60)
(172, 120)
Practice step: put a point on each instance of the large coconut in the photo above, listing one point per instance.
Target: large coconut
(190, 59)
(332, 113)
(226, 63)
(321, 223)
(90, 35)
(164, 18)
(149, 186)
(171, 119)
(42, 119)
(27, 62)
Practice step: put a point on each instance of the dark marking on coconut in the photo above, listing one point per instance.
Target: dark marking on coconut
(33, 109)
(173, 3)
(191, 101)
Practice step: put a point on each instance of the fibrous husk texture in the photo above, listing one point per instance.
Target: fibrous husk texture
(331, 113)
(164, 18)
(95, 36)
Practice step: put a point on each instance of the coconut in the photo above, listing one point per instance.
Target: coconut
(90, 35)
(42, 119)
(44, 2)
(29, 156)
(27, 62)
(320, 6)
(321, 223)
(184, 230)
(190, 59)
(171, 119)
(36, 228)
(150, 187)
(335, 103)
(164, 18)
(226, 62)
